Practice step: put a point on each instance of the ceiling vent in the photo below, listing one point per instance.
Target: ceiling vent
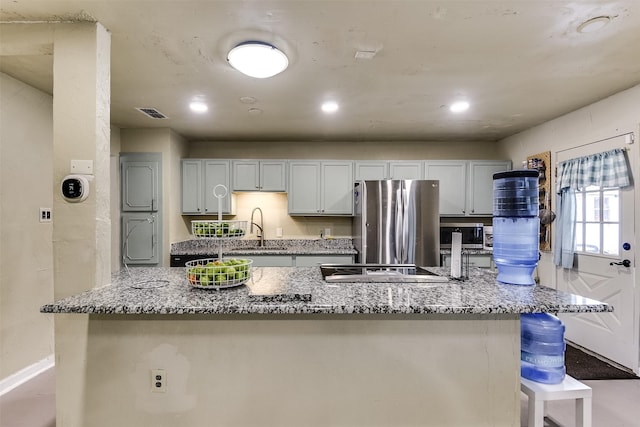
(152, 112)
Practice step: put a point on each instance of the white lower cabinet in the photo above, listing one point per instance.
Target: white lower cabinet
(475, 260)
(271, 260)
(297, 260)
(314, 260)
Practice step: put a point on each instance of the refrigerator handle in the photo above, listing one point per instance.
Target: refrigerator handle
(398, 227)
(401, 226)
(405, 227)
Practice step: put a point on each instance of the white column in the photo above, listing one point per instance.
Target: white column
(81, 231)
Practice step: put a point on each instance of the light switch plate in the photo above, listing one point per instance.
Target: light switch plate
(83, 167)
(45, 215)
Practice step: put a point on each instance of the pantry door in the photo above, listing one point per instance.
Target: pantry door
(605, 239)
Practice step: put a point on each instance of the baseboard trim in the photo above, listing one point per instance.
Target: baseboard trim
(24, 375)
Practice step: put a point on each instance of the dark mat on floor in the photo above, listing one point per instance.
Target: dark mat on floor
(583, 366)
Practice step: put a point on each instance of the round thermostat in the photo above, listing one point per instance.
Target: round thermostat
(75, 188)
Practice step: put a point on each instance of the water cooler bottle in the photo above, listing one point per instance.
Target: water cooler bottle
(542, 348)
(516, 226)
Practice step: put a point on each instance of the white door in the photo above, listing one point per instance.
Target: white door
(605, 236)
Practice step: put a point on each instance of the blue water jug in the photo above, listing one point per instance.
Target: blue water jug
(516, 226)
(542, 348)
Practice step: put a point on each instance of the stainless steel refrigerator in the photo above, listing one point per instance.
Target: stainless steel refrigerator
(397, 222)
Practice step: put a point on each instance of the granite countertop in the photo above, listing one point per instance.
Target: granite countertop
(330, 246)
(301, 290)
(468, 251)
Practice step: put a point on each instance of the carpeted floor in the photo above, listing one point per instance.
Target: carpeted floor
(583, 366)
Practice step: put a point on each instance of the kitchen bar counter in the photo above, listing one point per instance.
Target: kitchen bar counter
(231, 247)
(290, 290)
(289, 350)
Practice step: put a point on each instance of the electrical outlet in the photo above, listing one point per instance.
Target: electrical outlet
(45, 215)
(158, 381)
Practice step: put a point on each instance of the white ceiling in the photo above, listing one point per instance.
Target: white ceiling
(519, 63)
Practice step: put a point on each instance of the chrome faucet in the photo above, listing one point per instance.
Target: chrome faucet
(260, 226)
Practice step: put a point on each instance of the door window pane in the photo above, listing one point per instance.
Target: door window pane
(579, 237)
(598, 221)
(592, 206)
(611, 239)
(579, 207)
(611, 206)
(592, 238)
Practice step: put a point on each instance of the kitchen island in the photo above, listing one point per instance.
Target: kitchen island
(288, 349)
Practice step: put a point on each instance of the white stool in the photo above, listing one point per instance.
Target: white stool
(570, 388)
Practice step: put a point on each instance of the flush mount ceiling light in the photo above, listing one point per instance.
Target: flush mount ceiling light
(594, 24)
(459, 106)
(198, 106)
(257, 59)
(330, 107)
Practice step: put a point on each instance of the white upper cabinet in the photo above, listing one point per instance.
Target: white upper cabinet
(320, 187)
(199, 179)
(480, 185)
(336, 188)
(405, 169)
(452, 175)
(371, 170)
(394, 169)
(192, 180)
(466, 186)
(260, 175)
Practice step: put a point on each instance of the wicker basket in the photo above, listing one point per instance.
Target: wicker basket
(215, 273)
(219, 229)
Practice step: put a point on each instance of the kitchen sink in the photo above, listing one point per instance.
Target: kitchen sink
(378, 273)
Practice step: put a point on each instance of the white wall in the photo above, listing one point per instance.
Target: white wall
(615, 115)
(26, 254)
(114, 169)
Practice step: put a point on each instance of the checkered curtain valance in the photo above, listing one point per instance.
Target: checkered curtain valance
(606, 169)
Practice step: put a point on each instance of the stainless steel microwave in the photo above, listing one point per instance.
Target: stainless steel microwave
(472, 234)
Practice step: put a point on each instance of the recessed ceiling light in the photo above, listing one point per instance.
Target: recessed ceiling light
(594, 24)
(257, 59)
(365, 54)
(459, 106)
(330, 107)
(198, 107)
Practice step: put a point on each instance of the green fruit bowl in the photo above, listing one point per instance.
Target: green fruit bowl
(219, 229)
(214, 273)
